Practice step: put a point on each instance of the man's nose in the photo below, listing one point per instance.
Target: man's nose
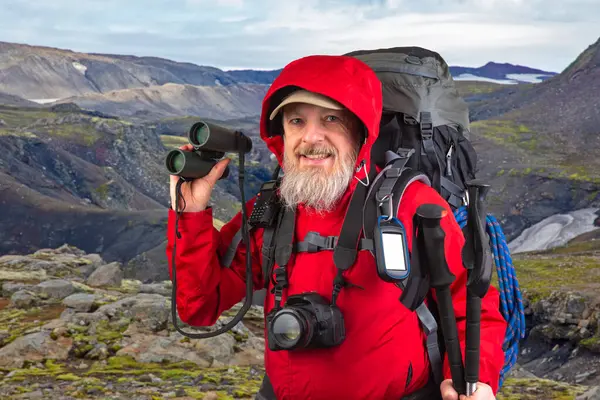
(313, 132)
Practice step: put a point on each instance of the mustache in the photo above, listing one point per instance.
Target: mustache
(315, 151)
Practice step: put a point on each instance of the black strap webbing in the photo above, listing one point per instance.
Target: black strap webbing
(429, 147)
(268, 253)
(430, 327)
(313, 242)
(345, 250)
(455, 197)
(285, 237)
(283, 252)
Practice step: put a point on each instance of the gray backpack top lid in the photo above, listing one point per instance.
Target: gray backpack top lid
(415, 79)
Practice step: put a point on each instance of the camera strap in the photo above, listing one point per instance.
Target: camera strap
(283, 252)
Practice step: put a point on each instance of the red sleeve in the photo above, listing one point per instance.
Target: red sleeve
(493, 324)
(204, 287)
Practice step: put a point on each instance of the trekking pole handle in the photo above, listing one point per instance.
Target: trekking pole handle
(478, 280)
(441, 278)
(480, 272)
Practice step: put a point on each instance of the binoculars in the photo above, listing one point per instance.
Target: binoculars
(210, 143)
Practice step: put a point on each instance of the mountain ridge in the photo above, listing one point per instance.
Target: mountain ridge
(44, 72)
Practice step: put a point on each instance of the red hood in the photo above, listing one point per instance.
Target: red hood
(356, 87)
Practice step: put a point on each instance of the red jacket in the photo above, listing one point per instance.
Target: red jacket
(383, 338)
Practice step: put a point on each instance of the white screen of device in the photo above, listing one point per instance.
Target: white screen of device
(393, 251)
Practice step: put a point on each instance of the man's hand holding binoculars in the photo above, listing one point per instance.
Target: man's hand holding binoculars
(195, 194)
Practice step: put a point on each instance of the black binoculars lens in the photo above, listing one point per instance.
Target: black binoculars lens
(200, 134)
(175, 161)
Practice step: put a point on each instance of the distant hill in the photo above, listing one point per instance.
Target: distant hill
(12, 100)
(172, 99)
(501, 73)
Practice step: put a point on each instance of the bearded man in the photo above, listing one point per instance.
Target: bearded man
(320, 119)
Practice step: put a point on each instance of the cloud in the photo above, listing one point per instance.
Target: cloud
(545, 34)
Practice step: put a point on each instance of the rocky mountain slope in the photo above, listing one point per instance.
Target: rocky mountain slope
(538, 143)
(171, 99)
(71, 326)
(70, 176)
(38, 72)
(147, 87)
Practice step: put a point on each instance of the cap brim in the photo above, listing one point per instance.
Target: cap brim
(303, 96)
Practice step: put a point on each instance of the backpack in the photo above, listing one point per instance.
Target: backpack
(424, 135)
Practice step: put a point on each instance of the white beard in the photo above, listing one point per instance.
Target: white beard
(316, 189)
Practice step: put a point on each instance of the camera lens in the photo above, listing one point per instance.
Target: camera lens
(289, 328)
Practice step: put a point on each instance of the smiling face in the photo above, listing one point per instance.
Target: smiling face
(320, 150)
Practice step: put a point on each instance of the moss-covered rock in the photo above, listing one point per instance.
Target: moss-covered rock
(536, 389)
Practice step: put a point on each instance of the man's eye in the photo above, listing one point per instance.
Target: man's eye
(295, 121)
(332, 118)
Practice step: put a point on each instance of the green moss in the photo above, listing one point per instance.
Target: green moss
(469, 88)
(108, 334)
(102, 191)
(592, 343)
(17, 133)
(80, 133)
(68, 377)
(51, 369)
(17, 117)
(172, 142)
(534, 389)
(18, 321)
(576, 247)
(579, 173)
(507, 133)
(179, 374)
(542, 275)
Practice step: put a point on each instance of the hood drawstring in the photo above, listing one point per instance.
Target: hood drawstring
(362, 165)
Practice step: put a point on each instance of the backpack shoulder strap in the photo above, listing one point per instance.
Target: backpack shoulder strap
(268, 250)
(384, 198)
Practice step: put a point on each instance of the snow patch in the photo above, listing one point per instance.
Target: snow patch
(79, 67)
(528, 78)
(555, 230)
(471, 77)
(44, 101)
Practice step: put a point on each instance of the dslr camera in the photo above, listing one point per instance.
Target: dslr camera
(306, 321)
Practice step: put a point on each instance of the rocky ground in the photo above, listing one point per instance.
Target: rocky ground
(71, 327)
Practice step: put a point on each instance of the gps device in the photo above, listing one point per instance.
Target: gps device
(391, 249)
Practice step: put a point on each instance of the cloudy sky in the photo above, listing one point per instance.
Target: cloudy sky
(267, 34)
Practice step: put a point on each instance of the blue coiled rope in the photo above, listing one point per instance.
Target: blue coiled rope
(511, 300)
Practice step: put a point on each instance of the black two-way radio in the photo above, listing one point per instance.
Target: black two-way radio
(266, 206)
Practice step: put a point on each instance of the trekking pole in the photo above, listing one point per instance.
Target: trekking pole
(477, 258)
(440, 279)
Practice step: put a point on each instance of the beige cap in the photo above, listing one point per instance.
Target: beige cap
(304, 96)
